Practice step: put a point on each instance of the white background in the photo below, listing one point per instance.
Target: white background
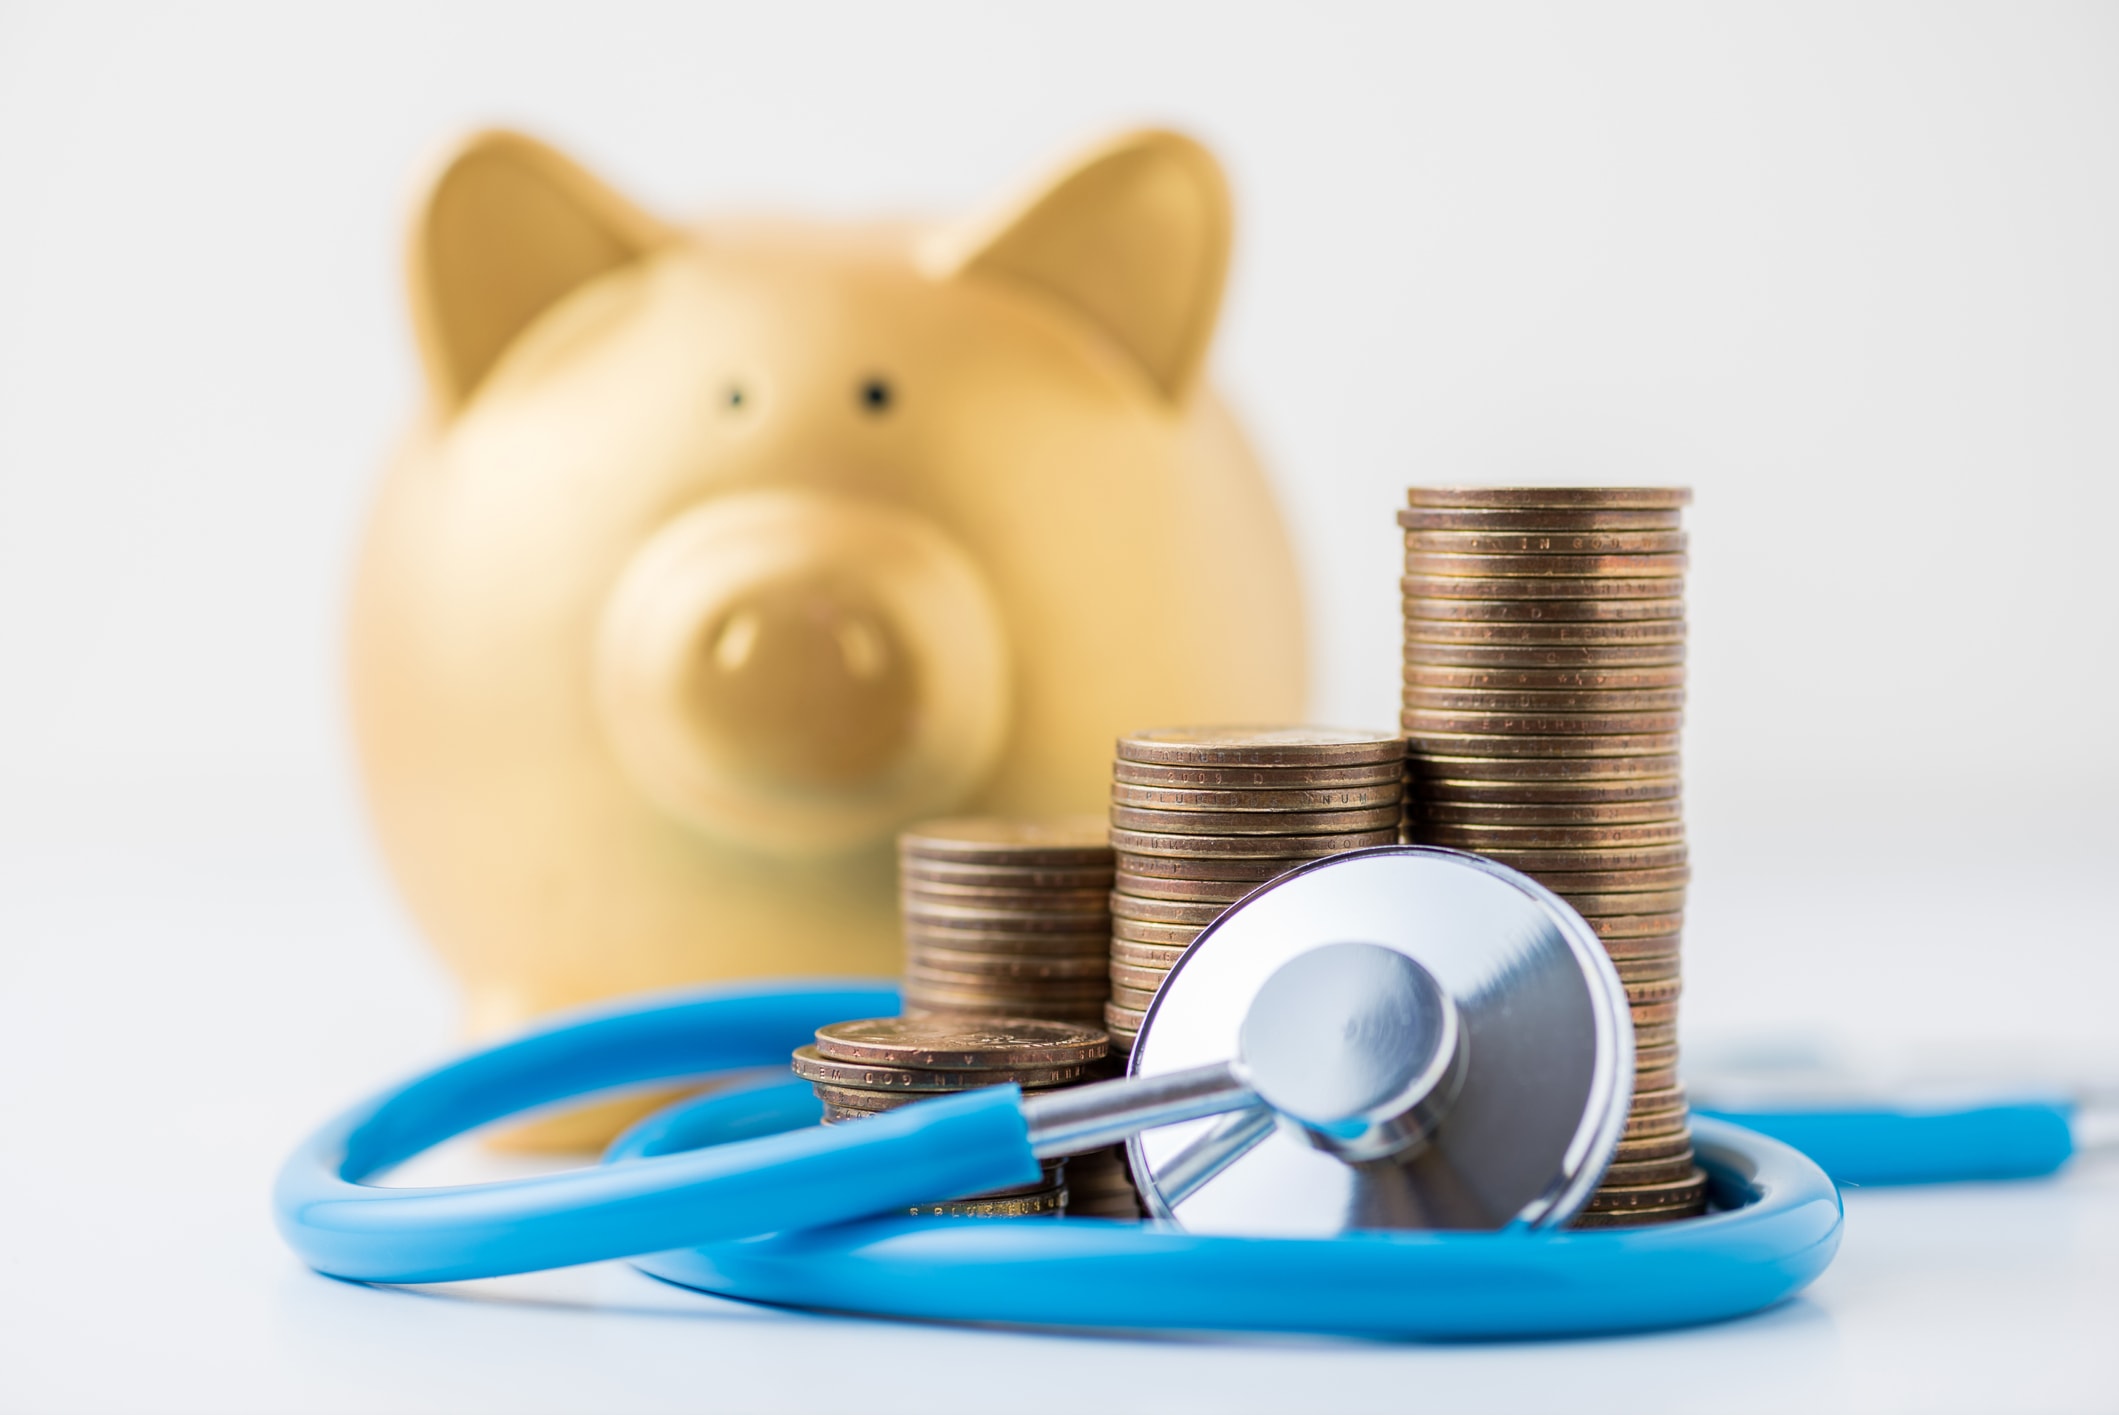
(1851, 271)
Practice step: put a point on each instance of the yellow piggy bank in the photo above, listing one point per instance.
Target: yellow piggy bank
(719, 554)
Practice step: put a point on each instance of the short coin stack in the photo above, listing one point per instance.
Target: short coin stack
(1544, 689)
(859, 1069)
(1201, 816)
(1007, 918)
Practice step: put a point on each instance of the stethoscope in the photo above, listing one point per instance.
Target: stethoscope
(1367, 1101)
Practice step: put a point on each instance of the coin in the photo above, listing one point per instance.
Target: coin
(1258, 778)
(1486, 700)
(1146, 955)
(1426, 723)
(1259, 823)
(1012, 996)
(1650, 881)
(1640, 972)
(1662, 1171)
(941, 874)
(1532, 611)
(1600, 909)
(1536, 680)
(1050, 1201)
(1663, 1034)
(1279, 847)
(931, 917)
(1569, 498)
(1691, 1189)
(1557, 543)
(1020, 967)
(1663, 1148)
(1433, 792)
(1044, 945)
(1131, 997)
(1226, 870)
(1647, 1014)
(1538, 518)
(1613, 927)
(1070, 840)
(1643, 992)
(1655, 1058)
(1000, 1042)
(1654, 948)
(1176, 798)
(1166, 911)
(1635, 1218)
(1421, 632)
(1137, 976)
(974, 896)
(1519, 770)
(1520, 587)
(811, 1067)
(1141, 931)
(1484, 836)
(1544, 745)
(1519, 813)
(1260, 746)
(1212, 891)
(923, 1002)
(1548, 655)
(1428, 563)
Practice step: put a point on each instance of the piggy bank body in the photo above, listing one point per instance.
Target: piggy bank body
(722, 553)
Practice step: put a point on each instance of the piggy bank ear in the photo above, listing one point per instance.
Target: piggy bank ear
(507, 227)
(1132, 237)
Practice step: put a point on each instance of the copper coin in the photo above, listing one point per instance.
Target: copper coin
(851, 1074)
(1230, 870)
(1278, 847)
(977, 896)
(932, 918)
(1644, 992)
(1209, 891)
(1425, 724)
(1637, 1218)
(1537, 611)
(1643, 972)
(1135, 976)
(1655, 1058)
(1657, 1102)
(1163, 956)
(1598, 907)
(1260, 823)
(1542, 680)
(1558, 543)
(1049, 1201)
(1260, 746)
(1545, 745)
(1662, 1171)
(1664, 1034)
(1653, 948)
(1138, 998)
(1486, 700)
(1021, 945)
(1652, 881)
(1648, 1014)
(1643, 791)
(1688, 1190)
(1126, 1019)
(1010, 996)
(1465, 836)
(1519, 813)
(1537, 771)
(924, 1003)
(1545, 655)
(1538, 518)
(1614, 927)
(1166, 911)
(942, 875)
(1510, 567)
(1258, 778)
(861, 1102)
(1345, 798)
(1594, 498)
(1141, 931)
(1666, 1147)
(1020, 967)
(1419, 633)
(1066, 840)
(899, 1041)
(1442, 586)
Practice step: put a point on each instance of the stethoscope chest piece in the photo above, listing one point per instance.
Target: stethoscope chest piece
(1439, 1042)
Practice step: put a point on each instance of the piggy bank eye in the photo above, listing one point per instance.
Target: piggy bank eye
(875, 396)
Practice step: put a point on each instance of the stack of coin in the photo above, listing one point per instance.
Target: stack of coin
(859, 1069)
(1007, 918)
(1100, 1185)
(1544, 688)
(1201, 816)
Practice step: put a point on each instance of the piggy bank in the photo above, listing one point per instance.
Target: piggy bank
(719, 553)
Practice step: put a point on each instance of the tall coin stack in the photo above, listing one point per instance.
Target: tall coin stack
(1544, 692)
(1007, 918)
(859, 1069)
(1201, 816)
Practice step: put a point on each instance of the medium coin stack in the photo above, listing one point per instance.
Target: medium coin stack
(1201, 816)
(1007, 918)
(859, 1069)
(1544, 693)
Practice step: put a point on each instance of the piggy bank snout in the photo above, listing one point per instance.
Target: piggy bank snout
(802, 673)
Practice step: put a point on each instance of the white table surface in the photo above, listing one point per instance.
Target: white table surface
(182, 993)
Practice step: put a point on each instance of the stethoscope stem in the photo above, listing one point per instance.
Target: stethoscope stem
(1084, 1118)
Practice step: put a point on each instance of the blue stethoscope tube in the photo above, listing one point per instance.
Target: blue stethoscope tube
(1882, 1144)
(699, 1208)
